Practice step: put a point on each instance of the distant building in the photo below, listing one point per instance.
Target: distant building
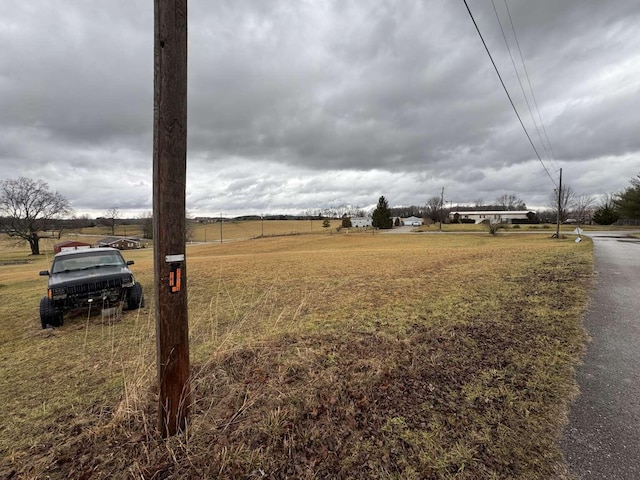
(357, 222)
(70, 245)
(412, 221)
(497, 216)
(121, 243)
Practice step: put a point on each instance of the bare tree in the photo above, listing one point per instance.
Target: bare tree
(83, 221)
(583, 208)
(111, 217)
(566, 202)
(509, 201)
(29, 207)
(146, 222)
(189, 227)
(433, 208)
(339, 211)
(359, 212)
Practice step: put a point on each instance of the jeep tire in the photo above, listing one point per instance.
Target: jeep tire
(49, 314)
(135, 297)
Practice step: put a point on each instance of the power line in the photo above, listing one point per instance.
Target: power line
(507, 92)
(515, 69)
(535, 102)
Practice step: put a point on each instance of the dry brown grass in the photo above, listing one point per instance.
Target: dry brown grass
(243, 230)
(316, 356)
(231, 230)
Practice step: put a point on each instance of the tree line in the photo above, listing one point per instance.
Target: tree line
(28, 208)
(565, 206)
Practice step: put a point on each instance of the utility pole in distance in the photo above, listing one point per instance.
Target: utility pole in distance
(169, 198)
(441, 204)
(559, 216)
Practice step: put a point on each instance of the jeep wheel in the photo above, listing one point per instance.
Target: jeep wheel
(135, 297)
(49, 314)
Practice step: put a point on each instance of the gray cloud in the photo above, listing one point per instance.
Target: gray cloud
(303, 105)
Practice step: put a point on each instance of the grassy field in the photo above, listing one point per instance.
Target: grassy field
(234, 230)
(313, 356)
(229, 230)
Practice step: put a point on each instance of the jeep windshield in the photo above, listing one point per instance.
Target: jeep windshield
(86, 261)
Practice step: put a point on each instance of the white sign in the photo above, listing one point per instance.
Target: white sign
(578, 240)
(174, 258)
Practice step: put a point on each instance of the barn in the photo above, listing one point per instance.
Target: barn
(70, 245)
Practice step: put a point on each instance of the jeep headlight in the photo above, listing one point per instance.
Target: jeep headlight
(127, 281)
(57, 293)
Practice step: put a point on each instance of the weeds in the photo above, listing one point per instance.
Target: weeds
(493, 227)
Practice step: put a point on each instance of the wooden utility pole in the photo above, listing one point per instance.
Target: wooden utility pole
(441, 204)
(559, 217)
(169, 180)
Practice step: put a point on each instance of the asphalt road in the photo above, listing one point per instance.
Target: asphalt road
(602, 439)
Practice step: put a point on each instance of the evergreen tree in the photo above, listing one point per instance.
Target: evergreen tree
(381, 217)
(628, 202)
(605, 216)
(606, 213)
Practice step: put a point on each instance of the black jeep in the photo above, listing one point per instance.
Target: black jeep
(89, 278)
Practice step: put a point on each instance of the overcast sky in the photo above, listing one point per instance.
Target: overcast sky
(299, 105)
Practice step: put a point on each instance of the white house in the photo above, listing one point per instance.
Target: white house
(497, 216)
(360, 221)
